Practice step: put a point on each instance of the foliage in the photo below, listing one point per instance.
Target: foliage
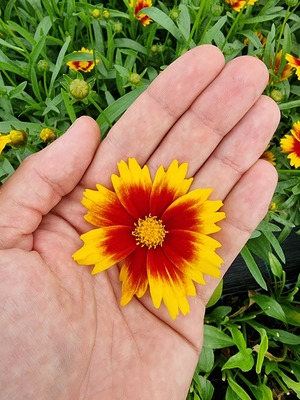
(253, 349)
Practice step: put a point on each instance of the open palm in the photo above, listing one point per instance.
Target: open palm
(63, 333)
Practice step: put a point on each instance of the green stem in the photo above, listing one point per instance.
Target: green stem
(100, 111)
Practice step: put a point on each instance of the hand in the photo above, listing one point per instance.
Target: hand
(63, 333)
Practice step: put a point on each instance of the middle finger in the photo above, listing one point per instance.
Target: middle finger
(213, 114)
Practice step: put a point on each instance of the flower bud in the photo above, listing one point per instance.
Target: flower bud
(117, 27)
(216, 9)
(96, 13)
(135, 78)
(154, 49)
(79, 88)
(43, 65)
(18, 137)
(3, 91)
(47, 135)
(105, 14)
(291, 3)
(277, 95)
(174, 14)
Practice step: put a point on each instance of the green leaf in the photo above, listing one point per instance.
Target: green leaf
(292, 315)
(130, 44)
(262, 349)
(165, 21)
(214, 30)
(59, 63)
(261, 392)
(291, 384)
(23, 32)
(15, 92)
(206, 360)
(275, 244)
(242, 360)
(286, 337)
(215, 338)
(253, 267)
(270, 306)
(216, 295)
(238, 389)
(184, 22)
(275, 265)
(238, 338)
(68, 105)
(206, 389)
(43, 28)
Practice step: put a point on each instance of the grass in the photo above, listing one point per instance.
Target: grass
(251, 342)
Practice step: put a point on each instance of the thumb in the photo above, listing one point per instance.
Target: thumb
(42, 180)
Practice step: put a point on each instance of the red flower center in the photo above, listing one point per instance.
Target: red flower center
(149, 232)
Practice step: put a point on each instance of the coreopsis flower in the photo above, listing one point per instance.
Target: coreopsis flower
(157, 230)
(290, 144)
(137, 6)
(18, 137)
(293, 62)
(287, 69)
(260, 36)
(268, 156)
(237, 5)
(4, 140)
(85, 66)
(15, 137)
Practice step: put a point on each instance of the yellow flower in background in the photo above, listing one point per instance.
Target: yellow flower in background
(293, 62)
(260, 36)
(15, 137)
(158, 230)
(287, 70)
(137, 6)
(290, 144)
(4, 140)
(269, 156)
(237, 5)
(85, 66)
(47, 135)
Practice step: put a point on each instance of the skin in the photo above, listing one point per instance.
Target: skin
(63, 333)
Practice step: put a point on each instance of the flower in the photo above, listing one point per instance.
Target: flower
(293, 62)
(18, 137)
(268, 156)
(290, 144)
(15, 137)
(47, 135)
(285, 73)
(4, 140)
(138, 5)
(157, 228)
(85, 66)
(237, 5)
(260, 36)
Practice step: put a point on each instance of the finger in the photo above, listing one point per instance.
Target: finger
(147, 121)
(42, 180)
(240, 149)
(245, 206)
(215, 112)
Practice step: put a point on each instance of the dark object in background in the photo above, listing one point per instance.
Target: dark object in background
(238, 279)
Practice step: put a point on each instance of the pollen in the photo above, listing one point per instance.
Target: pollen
(149, 232)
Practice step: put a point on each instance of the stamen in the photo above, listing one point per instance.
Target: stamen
(149, 232)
